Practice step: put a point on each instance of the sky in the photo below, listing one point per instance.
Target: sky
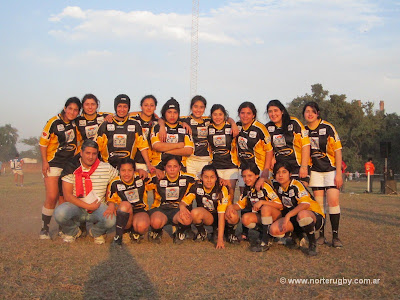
(249, 50)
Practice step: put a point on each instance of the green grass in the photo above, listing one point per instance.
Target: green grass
(30, 268)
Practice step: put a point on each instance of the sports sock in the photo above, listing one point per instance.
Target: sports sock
(122, 220)
(266, 224)
(200, 227)
(245, 230)
(334, 216)
(46, 217)
(309, 229)
(230, 229)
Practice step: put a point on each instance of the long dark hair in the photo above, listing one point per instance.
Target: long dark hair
(314, 106)
(149, 97)
(285, 116)
(251, 167)
(218, 186)
(221, 108)
(250, 105)
(69, 101)
(286, 165)
(198, 98)
(91, 96)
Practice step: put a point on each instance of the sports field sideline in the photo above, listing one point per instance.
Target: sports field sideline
(32, 268)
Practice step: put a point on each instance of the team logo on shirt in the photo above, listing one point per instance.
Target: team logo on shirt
(290, 127)
(182, 182)
(82, 122)
(214, 196)
(193, 122)
(202, 132)
(119, 140)
(286, 201)
(110, 127)
(200, 191)
(60, 127)
(172, 138)
(314, 141)
(211, 131)
(121, 187)
(219, 140)
(322, 131)
(91, 130)
(228, 131)
(279, 140)
(163, 183)
(100, 120)
(44, 134)
(207, 123)
(242, 142)
(146, 132)
(172, 193)
(69, 136)
(291, 193)
(132, 195)
(260, 194)
(208, 204)
(303, 193)
(139, 183)
(271, 128)
(182, 130)
(131, 127)
(304, 133)
(252, 134)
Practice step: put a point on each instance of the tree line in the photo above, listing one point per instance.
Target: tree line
(360, 126)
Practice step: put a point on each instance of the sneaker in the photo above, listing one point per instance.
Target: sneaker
(179, 237)
(200, 236)
(98, 240)
(189, 234)
(321, 240)
(44, 234)
(72, 238)
(233, 239)
(155, 237)
(336, 243)
(312, 249)
(136, 238)
(260, 247)
(117, 241)
(304, 242)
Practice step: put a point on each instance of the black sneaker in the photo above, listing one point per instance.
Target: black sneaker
(189, 234)
(312, 249)
(179, 237)
(200, 236)
(233, 239)
(136, 238)
(44, 234)
(117, 241)
(155, 237)
(336, 243)
(260, 247)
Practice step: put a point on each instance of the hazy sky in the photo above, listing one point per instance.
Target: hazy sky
(248, 51)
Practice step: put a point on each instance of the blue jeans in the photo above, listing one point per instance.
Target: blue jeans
(70, 216)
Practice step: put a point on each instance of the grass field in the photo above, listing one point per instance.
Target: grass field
(31, 268)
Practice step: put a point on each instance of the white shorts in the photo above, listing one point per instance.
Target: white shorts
(194, 164)
(54, 172)
(322, 179)
(228, 174)
(139, 166)
(19, 172)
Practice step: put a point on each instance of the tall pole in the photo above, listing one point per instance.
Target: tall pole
(194, 48)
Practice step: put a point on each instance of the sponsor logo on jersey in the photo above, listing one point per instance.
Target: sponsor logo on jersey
(254, 201)
(291, 193)
(200, 191)
(202, 132)
(304, 133)
(163, 183)
(211, 131)
(146, 132)
(314, 141)
(182, 130)
(207, 123)
(69, 136)
(219, 140)
(60, 127)
(82, 122)
(260, 194)
(322, 131)
(246, 155)
(228, 131)
(44, 134)
(286, 201)
(290, 127)
(214, 196)
(303, 193)
(172, 138)
(252, 134)
(100, 120)
(279, 140)
(208, 204)
(132, 196)
(91, 131)
(193, 122)
(242, 142)
(121, 187)
(172, 193)
(271, 128)
(131, 127)
(110, 127)
(139, 183)
(182, 182)
(285, 152)
(120, 140)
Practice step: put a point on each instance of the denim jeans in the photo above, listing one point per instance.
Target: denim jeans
(70, 216)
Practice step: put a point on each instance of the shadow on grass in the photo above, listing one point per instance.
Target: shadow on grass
(377, 218)
(119, 277)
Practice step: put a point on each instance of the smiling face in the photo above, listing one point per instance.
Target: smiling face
(171, 116)
(249, 178)
(122, 110)
(148, 107)
(172, 168)
(126, 172)
(209, 179)
(90, 107)
(71, 111)
(198, 109)
(246, 116)
(275, 115)
(311, 115)
(218, 117)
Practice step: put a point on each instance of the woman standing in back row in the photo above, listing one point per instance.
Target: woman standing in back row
(326, 174)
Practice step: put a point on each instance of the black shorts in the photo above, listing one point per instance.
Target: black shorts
(139, 210)
(167, 211)
(318, 223)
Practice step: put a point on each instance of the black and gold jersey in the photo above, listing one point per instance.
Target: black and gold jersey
(120, 139)
(61, 140)
(170, 192)
(211, 200)
(175, 134)
(88, 127)
(134, 192)
(223, 146)
(199, 134)
(287, 145)
(252, 144)
(324, 142)
(146, 127)
(251, 196)
(295, 194)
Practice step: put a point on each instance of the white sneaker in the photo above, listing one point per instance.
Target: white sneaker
(72, 238)
(99, 240)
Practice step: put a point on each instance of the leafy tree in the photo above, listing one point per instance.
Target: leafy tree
(8, 141)
(34, 152)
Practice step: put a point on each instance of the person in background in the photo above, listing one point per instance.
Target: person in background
(369, 169)
(16, 166)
